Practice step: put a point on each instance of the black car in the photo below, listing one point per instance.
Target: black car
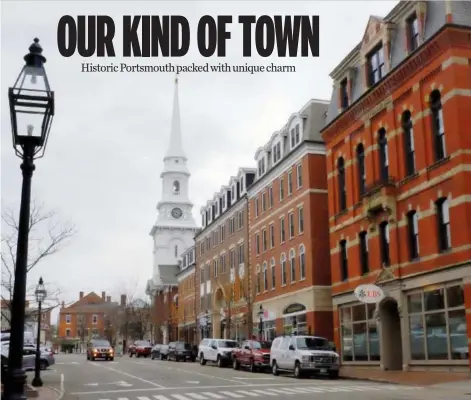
(180, 351)
(155, 352)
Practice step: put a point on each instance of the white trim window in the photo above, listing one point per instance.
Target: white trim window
(291, 225)
(282, 190)
(302, 263)
(292, 265)
(265, 277)
(67, 332)
(273, 276)
(283, 269)
(300, 220)
(276, 153)
(68, 318)
(299, 176)
(290, 183)
(94, 319)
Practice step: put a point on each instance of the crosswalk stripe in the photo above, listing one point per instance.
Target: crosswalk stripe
(196, 396)
(292, 390)
(365, 387)
(213, 395)
(266, 391)
(281, 391)
(179, 397)
(122, 398)
(159, 397)
(139, 398)
(248, 393)
(314, 389)
(230, 394)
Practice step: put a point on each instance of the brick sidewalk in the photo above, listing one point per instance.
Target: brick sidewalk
(414, 378)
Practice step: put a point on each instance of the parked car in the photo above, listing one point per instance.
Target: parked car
(253, 354)
(29, 358)
(155, 352)
(302, 355)
(216, 350)
(180, 351)
(163, 352)
(100, 348)
(140, 348)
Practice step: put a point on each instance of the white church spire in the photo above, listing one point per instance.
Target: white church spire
(175, 148)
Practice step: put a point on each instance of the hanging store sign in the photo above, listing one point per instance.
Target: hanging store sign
(295, 307)
(369, 294)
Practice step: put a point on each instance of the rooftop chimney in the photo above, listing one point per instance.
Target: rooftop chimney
(123, 300)
(108, 299)
(63, 304)
(103, 296)
(81, 295)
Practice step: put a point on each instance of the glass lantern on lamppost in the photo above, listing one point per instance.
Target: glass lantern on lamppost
(40, 294)
(260, 323)
(31, 113)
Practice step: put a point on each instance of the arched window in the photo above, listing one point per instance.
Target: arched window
(438, 127)
(265, 276)
(176, 251)
(283, 269)
(409, 147)
(273, 276)
(383, 154)
(176, 187)
(302, 262)
(292, 264)
(361, 169)
(341, 183)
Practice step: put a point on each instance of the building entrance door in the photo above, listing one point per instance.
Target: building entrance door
(391, 338)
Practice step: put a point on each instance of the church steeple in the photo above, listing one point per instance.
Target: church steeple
(175, 148)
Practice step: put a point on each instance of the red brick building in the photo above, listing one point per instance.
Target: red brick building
(288, 230)
(186, 300)
(399, 180)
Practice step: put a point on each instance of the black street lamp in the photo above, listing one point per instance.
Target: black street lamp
(40, 297)
(260, 324)
(31, 112)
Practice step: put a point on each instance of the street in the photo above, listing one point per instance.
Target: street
(145, 379)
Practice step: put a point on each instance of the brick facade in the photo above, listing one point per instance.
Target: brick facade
(404, 226)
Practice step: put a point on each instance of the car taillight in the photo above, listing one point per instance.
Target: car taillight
(52, 353)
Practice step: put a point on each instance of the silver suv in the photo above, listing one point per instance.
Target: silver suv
(216, 350)
(304, 354)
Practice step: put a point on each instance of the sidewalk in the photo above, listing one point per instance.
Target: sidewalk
(413, 378)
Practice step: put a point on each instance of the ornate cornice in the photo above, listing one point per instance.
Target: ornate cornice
(448, 36)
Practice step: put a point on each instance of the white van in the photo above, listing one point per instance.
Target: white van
(304, 355)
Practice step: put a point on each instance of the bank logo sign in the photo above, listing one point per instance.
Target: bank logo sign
(369, 294)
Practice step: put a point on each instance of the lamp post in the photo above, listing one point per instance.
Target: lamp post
(260, 323)
(31, 113)
(40, 297)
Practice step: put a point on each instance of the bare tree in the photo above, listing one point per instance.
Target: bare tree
(46, 237)
(140, 319)
(81, 329)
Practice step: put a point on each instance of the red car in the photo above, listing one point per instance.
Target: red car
(140, 348)
(253, 354)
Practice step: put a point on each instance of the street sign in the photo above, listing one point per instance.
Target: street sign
(369, 293)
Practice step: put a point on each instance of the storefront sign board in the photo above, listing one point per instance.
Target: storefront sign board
(369, 293)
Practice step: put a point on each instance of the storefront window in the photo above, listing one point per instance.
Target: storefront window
(437, 324)
(269, 330)
(296, 325)
(360, 340)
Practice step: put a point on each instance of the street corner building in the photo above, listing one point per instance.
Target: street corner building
(399, 172)
(172, 233)
(288, 230)
(222, 274)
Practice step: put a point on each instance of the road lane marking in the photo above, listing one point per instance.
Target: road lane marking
(180, 397)
(196, 396)
(265, 392)
(264, 379)
(213, 395)
(131, 376)
(248, 393)
(62, 387)
(230, 394)
(158, 397)
(143, 398)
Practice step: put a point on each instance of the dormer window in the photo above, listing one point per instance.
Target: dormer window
(343, 94)
(295, 136)
(233, 192)
(216, 208)
(224, 201)
(261, 166)
(376, 69)
(242, 184)
(413, 32)
(276, 153)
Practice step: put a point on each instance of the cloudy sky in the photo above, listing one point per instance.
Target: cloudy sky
(110, 132)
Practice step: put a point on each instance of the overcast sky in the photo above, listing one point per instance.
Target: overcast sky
(110, 132)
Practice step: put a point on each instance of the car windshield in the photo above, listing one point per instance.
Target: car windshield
(261, 345)
(310, 343)
(185, 346)
(142, 343)
(228, 343)
(101, 343)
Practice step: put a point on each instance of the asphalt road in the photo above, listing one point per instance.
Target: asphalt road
(144, 379)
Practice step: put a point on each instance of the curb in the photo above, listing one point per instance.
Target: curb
(59, 393)
(375, 380)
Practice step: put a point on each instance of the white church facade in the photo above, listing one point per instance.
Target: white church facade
(174, 230)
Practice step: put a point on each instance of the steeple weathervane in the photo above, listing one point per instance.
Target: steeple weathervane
(175, 148)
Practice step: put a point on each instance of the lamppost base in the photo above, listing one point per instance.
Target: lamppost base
(37, 382)
(15, 384)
